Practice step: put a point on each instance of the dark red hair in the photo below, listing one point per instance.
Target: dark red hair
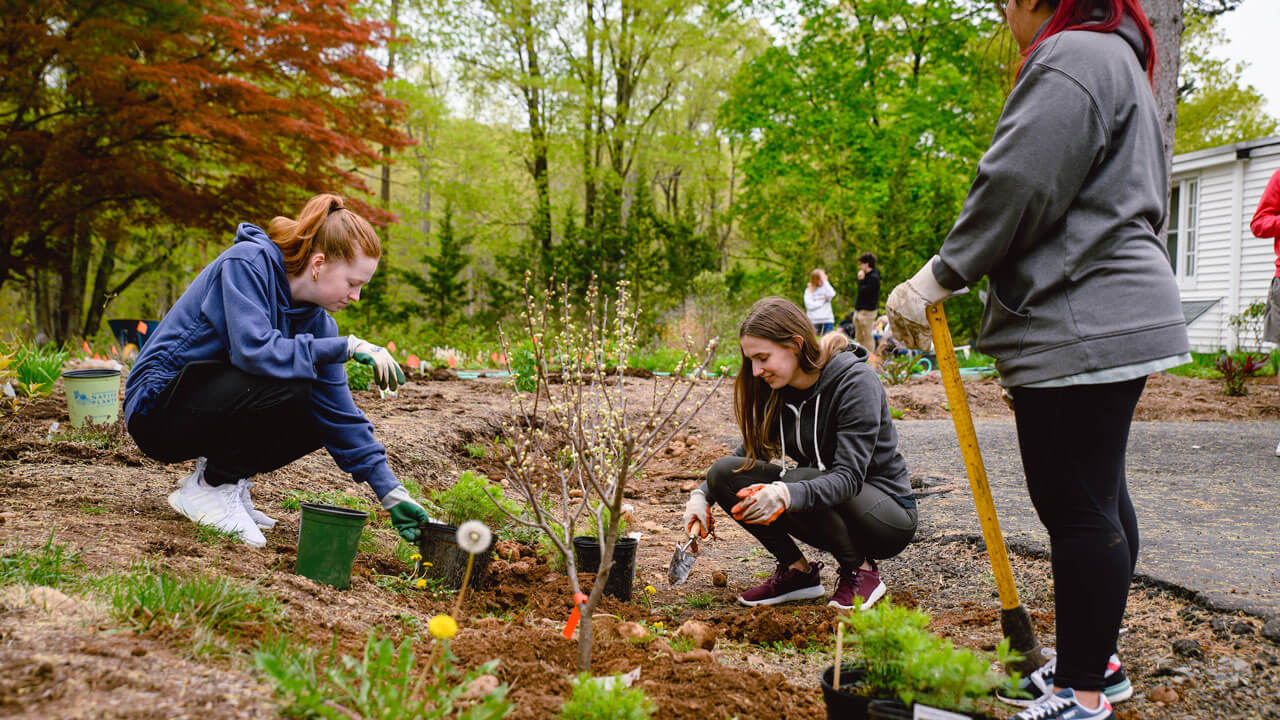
(1078, 15)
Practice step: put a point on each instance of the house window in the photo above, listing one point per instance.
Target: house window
(1184, 221)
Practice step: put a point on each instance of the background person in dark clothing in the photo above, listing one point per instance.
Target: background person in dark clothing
(867, 302)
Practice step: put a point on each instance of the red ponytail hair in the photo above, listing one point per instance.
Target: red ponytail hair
(1078, 15)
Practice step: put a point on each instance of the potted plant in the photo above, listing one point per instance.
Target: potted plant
(467, 499)
(586, 550)
(898, 663)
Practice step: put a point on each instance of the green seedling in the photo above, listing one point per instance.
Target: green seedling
(700, 600)
(52, 564)
(210, 535)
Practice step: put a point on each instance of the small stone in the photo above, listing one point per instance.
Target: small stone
(1271, 630)
(719, 579)
(138, 652)
(575, 493)
(1163, 694)
(755, 660)
(1187, 647)
(695, 655)
(689, 485)
(1219, 624)
(488, 623)
(1240, 627)
(652, 527)
(481, 687)
(702, 634)
(653, 501)
(631, 631)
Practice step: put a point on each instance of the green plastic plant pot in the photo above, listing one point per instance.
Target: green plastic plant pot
(327, 543)
(92, 395)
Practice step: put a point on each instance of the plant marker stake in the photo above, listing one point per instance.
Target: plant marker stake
(142, 327)
(575, 616)
(839, 650)
(1015, 623)
(87, 351)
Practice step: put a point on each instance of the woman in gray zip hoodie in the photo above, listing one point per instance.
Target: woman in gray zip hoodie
(1064, 218)
(819, 403)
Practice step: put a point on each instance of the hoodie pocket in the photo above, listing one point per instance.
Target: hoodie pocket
(1003, 330)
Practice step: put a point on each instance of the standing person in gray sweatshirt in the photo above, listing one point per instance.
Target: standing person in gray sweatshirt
(1063, 219)
(849, 494)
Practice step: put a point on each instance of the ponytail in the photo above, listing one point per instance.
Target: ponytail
(325, 226)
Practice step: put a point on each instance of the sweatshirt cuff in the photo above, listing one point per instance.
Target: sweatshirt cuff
(946, 276)
(330, 350)
(382, 480)
(800, 496)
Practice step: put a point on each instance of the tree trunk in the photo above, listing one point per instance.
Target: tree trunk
(385, 194)
(99, 297)
(534, 95)
(589, 110)
(1165, 17)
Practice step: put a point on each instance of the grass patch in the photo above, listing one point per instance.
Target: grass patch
(383, 682)
(681, 644)
(52, 564)
(93, 509)
(476, 450)
(295, 498)
(700, 600)
(210, 535)
(209, 613)
(106, 436)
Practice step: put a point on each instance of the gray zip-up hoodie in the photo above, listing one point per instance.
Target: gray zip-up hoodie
(842, 426)
(1064, 213)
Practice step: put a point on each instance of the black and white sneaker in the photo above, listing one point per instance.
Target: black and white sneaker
(1040, 683)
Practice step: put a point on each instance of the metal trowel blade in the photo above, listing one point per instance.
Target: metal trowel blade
(682, 562)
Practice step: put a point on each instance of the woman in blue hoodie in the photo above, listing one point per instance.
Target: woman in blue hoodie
(246, 371)
(849, 494)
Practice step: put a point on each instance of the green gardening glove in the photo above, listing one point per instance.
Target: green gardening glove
(386, 371)
(407, 516)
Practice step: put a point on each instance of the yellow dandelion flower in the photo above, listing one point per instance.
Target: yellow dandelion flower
(658, 625)
(415, 556)
(442, 627)
(422, 582)
(426, 564)
(651, 589)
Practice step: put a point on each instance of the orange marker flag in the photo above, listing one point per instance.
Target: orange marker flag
(413, 362)
(391, 346)
(453, 361)
(87, 350)
(114, 351)
(142, 326)
(575, 616)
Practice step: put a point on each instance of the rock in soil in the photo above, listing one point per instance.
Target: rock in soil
(719, 579)
(702, 634)
(631, 631)
(1271, 630)
(1164, 694)
(1187, 647)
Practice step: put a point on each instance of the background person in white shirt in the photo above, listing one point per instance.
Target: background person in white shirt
(817, 302)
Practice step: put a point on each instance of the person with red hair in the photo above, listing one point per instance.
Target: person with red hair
(1065, 219)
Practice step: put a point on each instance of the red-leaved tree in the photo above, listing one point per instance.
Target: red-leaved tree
(121, 115)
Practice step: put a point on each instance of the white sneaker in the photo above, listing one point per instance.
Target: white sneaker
(1277, 449)
(259, 519)
(219, 507)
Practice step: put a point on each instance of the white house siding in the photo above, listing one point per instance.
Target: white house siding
(1233, 276)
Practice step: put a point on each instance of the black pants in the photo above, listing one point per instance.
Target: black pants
(1073, 448)
(871, 525)
(244, 424)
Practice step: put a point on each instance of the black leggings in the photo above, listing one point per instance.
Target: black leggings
(244, 424)
(871, 525)
(1073, 446)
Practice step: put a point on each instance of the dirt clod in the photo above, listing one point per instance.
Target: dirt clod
(1164, 694)
(702, 634)
(719, 579)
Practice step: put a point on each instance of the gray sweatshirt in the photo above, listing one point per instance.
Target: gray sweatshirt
(1064, 213)
(842, 426)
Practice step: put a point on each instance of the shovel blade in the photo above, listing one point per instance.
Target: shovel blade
(681, 566)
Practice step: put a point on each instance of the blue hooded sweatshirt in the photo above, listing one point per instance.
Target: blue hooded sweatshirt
(239, 310)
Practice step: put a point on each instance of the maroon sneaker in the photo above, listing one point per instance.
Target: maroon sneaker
(786, 585)
(860, 587)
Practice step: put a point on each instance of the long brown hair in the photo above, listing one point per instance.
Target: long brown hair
(325, 225)
(755, 404)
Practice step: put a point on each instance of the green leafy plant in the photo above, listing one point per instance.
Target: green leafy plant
(897, 369)
(523, 365)
(897, 414)
(294, 499)
(52, 564)
(99, 436)
(476, 450)
(37, 368)
(359, 376)
(904, 660)
(1235, 371)
(593, 700)
(472, 497)
(384, 682)
(700, 600)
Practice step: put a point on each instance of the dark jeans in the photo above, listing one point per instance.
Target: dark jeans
(244, 424)
(871, 525)
(1073, 448)
(823, 328)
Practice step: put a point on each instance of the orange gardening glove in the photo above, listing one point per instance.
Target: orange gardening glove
(762, 504)
(697, 515)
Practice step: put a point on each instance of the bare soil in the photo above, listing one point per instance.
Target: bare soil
(74, 661)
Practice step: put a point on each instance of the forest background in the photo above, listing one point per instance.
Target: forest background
(707, 152)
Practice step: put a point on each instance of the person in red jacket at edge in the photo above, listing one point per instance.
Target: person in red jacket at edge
(1266, 224)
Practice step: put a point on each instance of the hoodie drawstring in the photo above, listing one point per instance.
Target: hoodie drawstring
(799, 411)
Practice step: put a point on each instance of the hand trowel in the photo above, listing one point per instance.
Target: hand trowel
(682, 560)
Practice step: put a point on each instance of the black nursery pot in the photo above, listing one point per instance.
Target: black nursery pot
(845, 703)
(889, 710)
(586, 554)
(438, 545)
